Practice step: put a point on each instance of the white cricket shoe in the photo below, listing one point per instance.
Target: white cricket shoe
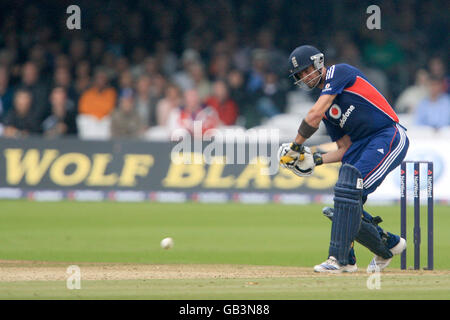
(379, 264)
(333, 266)
(351, 268)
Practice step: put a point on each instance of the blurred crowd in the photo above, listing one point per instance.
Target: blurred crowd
(147, 68)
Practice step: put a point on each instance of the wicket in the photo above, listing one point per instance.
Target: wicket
(403, 212)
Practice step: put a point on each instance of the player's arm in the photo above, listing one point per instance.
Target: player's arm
(312, 120)
(336, 156)
(319, 158)
(307, 128)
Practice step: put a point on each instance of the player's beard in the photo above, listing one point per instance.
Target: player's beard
(311, 84)
(314, 82)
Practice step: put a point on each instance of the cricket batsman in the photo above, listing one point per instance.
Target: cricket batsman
(371, 143)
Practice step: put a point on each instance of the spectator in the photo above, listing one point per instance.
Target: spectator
(30, 81)
(62, 61)
(170, 102)
(243, 99)
(138, 57)
(109, 64)
(409, 99)
(144, 103)
(37, 56)
(434, 111)
(122, 65)
(62, 120)
(192, 114)
(126, 80)
(271, 99)
(125, 120)
(259, 65)
(6, 92)
(220, 101)
(165, 58)
(77, 50)
(157, 90)
(219, 67)
(150, 66)
(98, 101)
(182, 78)
(19, 121)
(199, 80)
(63, 78)
(83, 69)
(275, 57)
(81, 85)
(438, 69)
(83, 78)
(7, 57)
(96, 50)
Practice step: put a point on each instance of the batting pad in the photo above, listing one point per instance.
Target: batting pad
(368, 236)
(347, 212)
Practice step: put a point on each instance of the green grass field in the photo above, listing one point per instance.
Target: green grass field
(340, 287)
(266, 235)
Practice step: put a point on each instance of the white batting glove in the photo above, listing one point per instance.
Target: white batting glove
(306, 167)
(289, 153)
(301, 164)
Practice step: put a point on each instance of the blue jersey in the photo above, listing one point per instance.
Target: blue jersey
(359, 109)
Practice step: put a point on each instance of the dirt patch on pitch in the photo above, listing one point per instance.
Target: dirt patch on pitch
(55, 271)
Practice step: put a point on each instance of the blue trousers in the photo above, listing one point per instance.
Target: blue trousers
(375, 157)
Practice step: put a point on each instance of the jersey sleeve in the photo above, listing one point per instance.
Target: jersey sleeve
(337, 78)
(333, 131)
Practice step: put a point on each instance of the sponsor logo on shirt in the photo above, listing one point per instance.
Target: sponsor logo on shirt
(346, 115)
(335, 111)
(327, 88)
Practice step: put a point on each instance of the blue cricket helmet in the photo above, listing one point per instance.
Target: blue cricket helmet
(301, 58)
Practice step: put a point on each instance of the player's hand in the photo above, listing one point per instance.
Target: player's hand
(318, 159)
(305, 167)
(301, 165)
(289, 153)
